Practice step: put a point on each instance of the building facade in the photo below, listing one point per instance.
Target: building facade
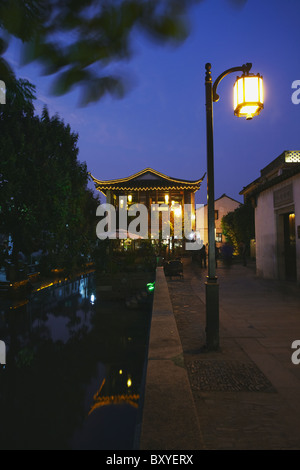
(276, 198)
(151, 188)
(223, 205)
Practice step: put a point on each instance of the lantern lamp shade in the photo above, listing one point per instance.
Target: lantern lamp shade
(248, 98)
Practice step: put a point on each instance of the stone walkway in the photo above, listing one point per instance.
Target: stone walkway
(247, 395)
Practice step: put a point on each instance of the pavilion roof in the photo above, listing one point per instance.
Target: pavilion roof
(145, 180)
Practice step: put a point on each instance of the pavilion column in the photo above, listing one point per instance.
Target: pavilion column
(193, 211)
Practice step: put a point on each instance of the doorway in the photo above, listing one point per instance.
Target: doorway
(290, 246)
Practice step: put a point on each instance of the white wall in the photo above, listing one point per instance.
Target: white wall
(268, 231)
(296, 188)
(223, 206)
(265, 236)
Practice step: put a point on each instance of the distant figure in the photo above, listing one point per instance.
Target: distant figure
(216, 255)
(227, 252)
(202, 254)
(243, 254)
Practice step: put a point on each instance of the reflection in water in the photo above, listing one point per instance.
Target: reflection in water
(74, 370)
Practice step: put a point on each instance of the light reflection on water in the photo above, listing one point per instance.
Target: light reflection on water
(74, 370)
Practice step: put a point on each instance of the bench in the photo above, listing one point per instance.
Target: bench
(173, 268)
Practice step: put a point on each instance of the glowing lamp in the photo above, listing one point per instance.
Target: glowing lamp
(248, 97)
(177, 211)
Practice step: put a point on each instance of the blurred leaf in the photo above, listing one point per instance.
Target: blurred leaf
(66, 80)
(6, 73)
(49, 54)
(3, 46)
(168, 29)
(23, 18)
(82, 34)
(99, 87)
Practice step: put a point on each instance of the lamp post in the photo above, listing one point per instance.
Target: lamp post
(248, 102)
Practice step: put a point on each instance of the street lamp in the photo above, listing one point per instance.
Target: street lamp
(248, 97)
(248, 102)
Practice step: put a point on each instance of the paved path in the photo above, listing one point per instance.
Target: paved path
(247, 395)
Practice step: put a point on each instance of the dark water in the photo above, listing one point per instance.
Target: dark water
(74, 369)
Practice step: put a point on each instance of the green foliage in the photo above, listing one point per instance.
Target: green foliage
(45, 203)
(238, 225)
(78, 40)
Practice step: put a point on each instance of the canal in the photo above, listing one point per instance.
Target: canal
(73, 378)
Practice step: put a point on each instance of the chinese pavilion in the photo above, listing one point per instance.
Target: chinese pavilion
(149, 187)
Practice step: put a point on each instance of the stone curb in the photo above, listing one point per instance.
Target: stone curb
(170, 420)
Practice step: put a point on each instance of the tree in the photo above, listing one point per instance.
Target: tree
(239, 225)
(16, 119)
(45, 203)
(80, 40)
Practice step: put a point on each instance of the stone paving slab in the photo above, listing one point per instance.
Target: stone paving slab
(259, 319)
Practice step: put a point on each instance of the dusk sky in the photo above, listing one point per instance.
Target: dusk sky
(161, 121)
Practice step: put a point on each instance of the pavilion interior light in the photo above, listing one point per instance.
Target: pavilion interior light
(177, 210)
(248, 96)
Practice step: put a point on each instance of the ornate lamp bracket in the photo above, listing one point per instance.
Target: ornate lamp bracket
(245, 68)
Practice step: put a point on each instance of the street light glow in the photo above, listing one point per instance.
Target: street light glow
(248, 96)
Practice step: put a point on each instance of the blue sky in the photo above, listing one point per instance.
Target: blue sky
(161, 121)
